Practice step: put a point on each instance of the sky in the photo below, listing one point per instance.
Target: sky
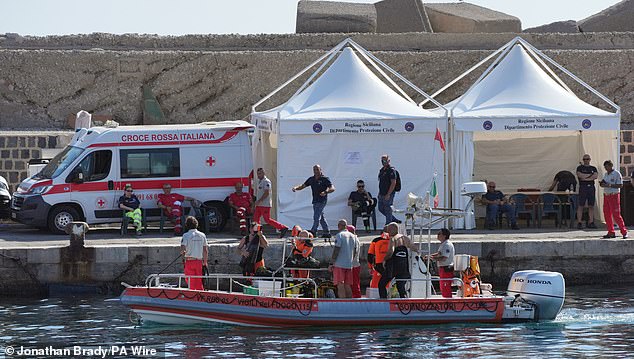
(169, 17)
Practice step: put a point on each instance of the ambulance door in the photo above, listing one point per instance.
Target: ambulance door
(92, 186)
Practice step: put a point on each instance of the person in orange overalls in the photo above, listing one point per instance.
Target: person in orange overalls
(376, 255)
(303, 246)
(241, 203)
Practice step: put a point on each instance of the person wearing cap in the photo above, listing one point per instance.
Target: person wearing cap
(612, 183)
(195, 251)
(132, 208)
(172, 206)
(356, 266)
(586, 174)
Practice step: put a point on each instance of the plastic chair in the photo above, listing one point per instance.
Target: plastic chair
(356, 215)
(199, 212)
(549, 204)
(523, 205)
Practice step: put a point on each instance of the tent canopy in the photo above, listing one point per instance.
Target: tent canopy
(519, 124)
(344, 117)
(348, 89)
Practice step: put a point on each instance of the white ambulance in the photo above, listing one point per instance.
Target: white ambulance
(84, 182)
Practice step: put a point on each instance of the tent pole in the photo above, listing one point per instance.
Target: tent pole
(441, 90)
(581, 82)
(406, 81)
(363, 52)
(541, 62)
(329, 53)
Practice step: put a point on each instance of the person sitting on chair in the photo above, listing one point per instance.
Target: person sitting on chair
(241, 204)
(132, 207)
(362, 203)
(497, 203)
(172, 206)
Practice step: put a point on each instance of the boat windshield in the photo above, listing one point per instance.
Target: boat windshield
(59, 163)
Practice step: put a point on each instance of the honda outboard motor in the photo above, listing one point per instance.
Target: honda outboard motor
(546, 290)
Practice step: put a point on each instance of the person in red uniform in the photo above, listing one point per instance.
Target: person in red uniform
(241, 203)
(172, 206)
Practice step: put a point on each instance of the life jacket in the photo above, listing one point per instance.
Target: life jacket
(378, 249)
(303, 247)
(471, 278)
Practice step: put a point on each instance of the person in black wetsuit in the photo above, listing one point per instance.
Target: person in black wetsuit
(251, 248)
(396, 261)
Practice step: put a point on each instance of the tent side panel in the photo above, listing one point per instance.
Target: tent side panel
(347, 158)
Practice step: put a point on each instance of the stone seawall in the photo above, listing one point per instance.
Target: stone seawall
(33, 271)
(18, 147)
(42, 88)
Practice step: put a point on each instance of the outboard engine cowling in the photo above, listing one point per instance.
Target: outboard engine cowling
(545, 289)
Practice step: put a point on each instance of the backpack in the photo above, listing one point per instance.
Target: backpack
(397, 188)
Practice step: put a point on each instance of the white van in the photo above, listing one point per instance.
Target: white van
(86, 179)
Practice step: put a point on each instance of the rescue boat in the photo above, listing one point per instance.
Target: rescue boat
(276, 302)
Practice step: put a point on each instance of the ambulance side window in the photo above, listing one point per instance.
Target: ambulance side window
(144, 163)
(96, 166)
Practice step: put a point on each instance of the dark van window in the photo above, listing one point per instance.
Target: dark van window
(95, 166)
(162, 162)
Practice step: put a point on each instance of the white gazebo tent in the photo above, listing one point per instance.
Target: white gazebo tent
(519, 124)
(344, 117)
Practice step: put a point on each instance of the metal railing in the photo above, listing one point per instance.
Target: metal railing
(154, 280)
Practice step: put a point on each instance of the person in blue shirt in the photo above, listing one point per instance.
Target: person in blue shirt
(132, 207)
(321, 187)
(496, 203)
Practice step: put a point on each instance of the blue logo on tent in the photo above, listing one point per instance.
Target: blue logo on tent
(586, 124)
(487, 125)
(409, 127)
(317, 127)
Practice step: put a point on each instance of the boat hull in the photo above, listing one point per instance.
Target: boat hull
(182, 306)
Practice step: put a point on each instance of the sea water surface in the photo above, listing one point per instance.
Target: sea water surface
(595, 322)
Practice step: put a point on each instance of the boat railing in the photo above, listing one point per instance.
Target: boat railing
(154, 280)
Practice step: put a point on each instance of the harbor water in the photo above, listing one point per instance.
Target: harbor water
(595, 322)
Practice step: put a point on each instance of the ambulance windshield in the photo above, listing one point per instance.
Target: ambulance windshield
(59, 163)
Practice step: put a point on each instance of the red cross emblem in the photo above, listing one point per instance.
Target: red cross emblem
(101, 202)
(211, 161)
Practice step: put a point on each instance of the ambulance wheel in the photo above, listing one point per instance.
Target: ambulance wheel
(216, 216)
(60, 217)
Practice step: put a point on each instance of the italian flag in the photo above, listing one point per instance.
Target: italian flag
(434, 193)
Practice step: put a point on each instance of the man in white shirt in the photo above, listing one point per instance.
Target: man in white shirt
(612, 182)
(444, 258)
(263, 203)
(195, 252)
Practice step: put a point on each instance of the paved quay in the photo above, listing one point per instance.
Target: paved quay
(33, 261)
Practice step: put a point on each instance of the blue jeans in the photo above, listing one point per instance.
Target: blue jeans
(494, 209)
(385, 207)
(318, 217)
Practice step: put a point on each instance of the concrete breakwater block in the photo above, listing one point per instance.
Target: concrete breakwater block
(561, 27)
(401, 16)
(617, 17)
(327, 16)
(465, 17)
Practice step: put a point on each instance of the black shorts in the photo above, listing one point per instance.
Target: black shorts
(586, 194)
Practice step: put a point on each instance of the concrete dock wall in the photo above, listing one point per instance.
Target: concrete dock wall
(33, 271)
